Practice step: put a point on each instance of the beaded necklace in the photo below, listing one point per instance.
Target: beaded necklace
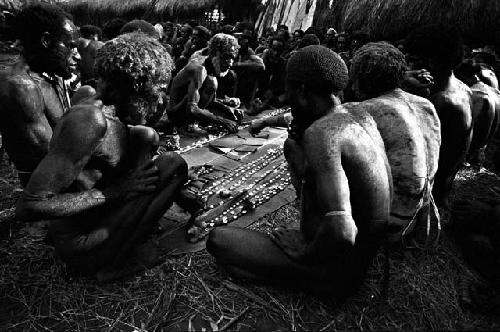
(273, 179)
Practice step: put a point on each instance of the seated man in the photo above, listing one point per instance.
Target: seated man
(98, 183)
(439, 51)
(199, 40)
(408, 124)
(271, 91)
(33, 93)
(248, 66)
(340, 171)
(485, 110)
(89, 43)
(195, 86)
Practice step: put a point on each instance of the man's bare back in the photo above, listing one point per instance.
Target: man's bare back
(410, 128)
(453, 104)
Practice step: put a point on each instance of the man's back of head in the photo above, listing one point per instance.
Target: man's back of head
(377, 68)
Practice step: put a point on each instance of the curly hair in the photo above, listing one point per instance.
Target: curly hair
(378, 67)
(140, 26)
(223, 43)
(33, 21)
(138, 66)
(308, 40)
(438, 43)
(88, 31)
(112, 27)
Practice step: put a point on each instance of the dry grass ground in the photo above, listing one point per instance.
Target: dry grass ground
(189, 292)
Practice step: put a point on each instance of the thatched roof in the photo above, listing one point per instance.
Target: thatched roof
(14, 5)
(393, 19)
(119, 6)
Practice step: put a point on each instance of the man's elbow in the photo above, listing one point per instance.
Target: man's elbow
(345, 233)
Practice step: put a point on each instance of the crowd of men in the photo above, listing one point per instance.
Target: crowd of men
(377, 134)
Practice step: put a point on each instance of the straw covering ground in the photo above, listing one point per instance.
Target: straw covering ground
(426, 289)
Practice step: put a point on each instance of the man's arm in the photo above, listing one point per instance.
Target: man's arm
(337, 231)
(339, 162)
(76, 137)
(26, 107)
(197, 75)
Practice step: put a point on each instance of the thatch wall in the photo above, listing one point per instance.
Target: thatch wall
(14, 5)
(477, 20)
(296, 14)
(95, 11)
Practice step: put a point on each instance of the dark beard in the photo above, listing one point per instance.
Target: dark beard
(55, 62)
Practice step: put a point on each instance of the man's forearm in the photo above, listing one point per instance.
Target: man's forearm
(203, 114)
(34, 207)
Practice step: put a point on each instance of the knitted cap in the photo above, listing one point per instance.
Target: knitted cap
(318, 66)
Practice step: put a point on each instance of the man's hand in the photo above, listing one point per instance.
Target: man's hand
(138, 182)
(256, 126)
(237, 114)
(82, 94)
(421, 78)
(291, 241)
(256, 107)
(229, 125)
(232, 102)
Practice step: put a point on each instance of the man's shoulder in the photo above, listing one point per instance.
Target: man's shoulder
(194, 66)
(86, 117)
(18, 86)
(334, 126)
(457, 96)
(17, 78)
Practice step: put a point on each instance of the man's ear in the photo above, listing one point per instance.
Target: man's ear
(45, 40)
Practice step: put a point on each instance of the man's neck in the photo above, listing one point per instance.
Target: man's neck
(441, 80)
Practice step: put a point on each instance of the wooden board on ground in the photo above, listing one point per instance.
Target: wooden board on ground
(174, 239)
(175, 242)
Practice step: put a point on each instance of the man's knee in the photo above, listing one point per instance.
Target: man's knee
(172, 165)
(216, 241)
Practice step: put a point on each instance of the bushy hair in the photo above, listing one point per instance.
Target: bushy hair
(140, 26)
(112, 27)
(436, 42)
(467, 69)
(88, 31)
(300, 31)
(223, 43)
(137, 65)
(308, 40)
(360, 36)
(378, 67)
(320, 69)
(203, 32)
(33, 21)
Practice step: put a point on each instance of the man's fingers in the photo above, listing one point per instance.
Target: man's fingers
(144, 188)
(149, 180)
(153, 171)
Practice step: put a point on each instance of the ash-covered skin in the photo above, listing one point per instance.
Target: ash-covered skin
(136, 70)
(409, 126)
(339, 169)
